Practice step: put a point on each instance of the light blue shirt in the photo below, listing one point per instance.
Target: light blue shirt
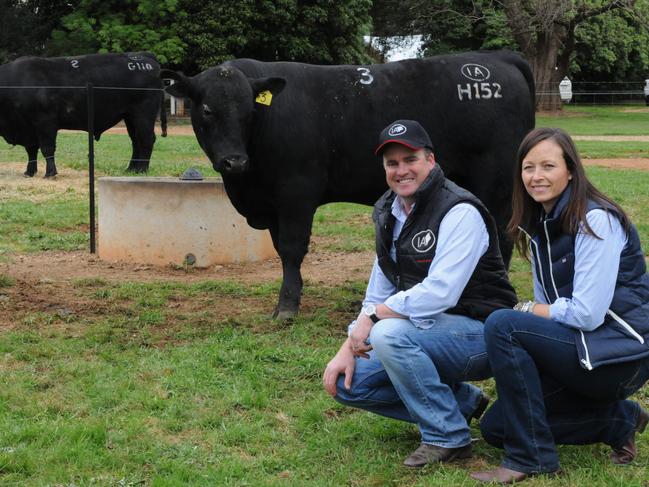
(462, 241)
(596, 267)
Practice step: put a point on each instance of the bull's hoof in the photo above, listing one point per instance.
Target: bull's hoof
(50, 175)
(28, 174)
(284, 315)
(137, 169)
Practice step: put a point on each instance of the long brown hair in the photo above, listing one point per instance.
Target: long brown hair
(526, 212)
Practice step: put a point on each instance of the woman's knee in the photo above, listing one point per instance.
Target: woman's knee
(499, 322)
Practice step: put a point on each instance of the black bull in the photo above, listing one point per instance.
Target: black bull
(128, 86)
(312, 141)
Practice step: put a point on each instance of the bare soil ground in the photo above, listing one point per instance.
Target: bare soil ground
(45, 281)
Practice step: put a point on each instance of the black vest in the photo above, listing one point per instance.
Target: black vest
(554, 254)
(488, 288)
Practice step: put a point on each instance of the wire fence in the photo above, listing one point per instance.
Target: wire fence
(599, 92)
(90, 91)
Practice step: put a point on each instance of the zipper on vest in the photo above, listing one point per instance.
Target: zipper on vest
(538, 262)
(626, 326)
(547, 239)
(585, 361)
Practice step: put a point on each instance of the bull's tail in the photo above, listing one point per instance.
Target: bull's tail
(163, 115)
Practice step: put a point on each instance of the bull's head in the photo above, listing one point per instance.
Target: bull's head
(223, 107)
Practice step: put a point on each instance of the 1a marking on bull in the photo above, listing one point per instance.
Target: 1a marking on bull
(475, 72)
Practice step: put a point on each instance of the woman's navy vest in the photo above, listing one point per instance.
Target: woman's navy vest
(620, 338)
(488, 288)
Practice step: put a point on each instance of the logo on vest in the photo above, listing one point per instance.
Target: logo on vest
(423, 241)
(397, 129)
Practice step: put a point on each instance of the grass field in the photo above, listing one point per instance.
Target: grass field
(129, 383)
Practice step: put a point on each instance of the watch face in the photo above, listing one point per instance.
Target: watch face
(369, 309)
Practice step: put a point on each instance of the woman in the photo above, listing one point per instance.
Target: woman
(565, 363)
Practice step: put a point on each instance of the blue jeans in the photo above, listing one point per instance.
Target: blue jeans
(415, 374)
(545, 397)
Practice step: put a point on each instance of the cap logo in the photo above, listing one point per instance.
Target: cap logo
(423, 241)
(397, 129)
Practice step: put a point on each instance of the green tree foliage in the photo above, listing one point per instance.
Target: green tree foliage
(613, 48)
(316, 31)
(25, 25)
(120, 26)
(589, 37)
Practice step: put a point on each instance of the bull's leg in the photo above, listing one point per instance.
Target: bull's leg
(47, 142)
(291, 239)
(32, 161)
(141, 131)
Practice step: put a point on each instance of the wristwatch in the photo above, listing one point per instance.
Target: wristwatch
(370, 310)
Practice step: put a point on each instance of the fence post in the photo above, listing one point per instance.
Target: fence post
(91, 162)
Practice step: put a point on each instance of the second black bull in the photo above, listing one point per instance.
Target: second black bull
(289, 137)
(40, 96)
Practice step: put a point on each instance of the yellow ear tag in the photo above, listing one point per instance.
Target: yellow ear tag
(264, 97)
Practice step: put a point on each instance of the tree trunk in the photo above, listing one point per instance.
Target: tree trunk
(547, 74)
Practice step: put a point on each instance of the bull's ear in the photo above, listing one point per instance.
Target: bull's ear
(182, 87)
(274, 85)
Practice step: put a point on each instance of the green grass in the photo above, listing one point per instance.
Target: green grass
(599, 120)
(596, 149)
(145, 383)
(208, 400)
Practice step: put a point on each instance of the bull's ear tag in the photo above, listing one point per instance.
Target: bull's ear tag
(264, 97)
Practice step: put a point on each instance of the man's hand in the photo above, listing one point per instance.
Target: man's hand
(359, 335)
(342, 363)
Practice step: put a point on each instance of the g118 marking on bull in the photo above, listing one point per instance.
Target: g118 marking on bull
(74, 63)
(137, 66)
(366, 76)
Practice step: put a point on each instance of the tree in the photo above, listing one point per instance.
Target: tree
(613, 48)
(119, 26)
(25, 25)
(316, 31)
(545, 32)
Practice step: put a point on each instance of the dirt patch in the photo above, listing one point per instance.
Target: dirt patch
(640, 164)
(613, 138)
(636, 110)
(38, 189)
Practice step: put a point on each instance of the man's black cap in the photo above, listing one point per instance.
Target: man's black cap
(405, 132)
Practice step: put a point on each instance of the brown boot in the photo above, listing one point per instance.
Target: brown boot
(426, 454)
(501, 475)
(627, 452)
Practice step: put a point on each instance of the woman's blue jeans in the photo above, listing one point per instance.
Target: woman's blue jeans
(545, 397)
(416, 374)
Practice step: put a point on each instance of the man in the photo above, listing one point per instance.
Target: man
(438, 274)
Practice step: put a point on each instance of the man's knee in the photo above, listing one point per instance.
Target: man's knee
(386, 334)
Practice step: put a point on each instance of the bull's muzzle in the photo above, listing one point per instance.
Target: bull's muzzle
(233, 164)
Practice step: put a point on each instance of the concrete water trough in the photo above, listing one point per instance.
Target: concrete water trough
(163, 220)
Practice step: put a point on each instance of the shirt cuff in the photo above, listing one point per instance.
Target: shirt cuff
(351, 327)
(397, 303)
(558, 310)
